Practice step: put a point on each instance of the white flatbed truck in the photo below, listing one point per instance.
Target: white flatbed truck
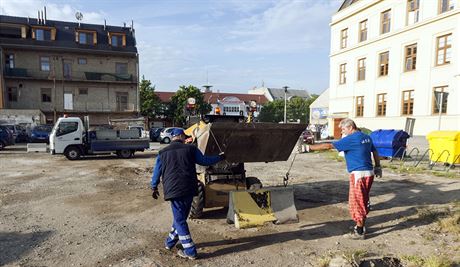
(71, 138)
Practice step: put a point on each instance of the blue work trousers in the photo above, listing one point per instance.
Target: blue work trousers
(179, 231)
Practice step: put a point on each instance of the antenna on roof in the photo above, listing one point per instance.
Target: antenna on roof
(79, 17)
(44, 8)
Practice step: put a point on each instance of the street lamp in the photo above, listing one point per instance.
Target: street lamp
(285, 102)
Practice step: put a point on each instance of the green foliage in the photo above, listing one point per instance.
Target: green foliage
(179, 100)
(149, 102)
(272, 111)
(297, 109)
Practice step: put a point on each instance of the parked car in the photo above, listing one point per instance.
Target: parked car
(165, 135)
(13, 129)
(40, 134)
(22, 134)
(308, 137)
(155, 134)
(6, 137)
(142, 132)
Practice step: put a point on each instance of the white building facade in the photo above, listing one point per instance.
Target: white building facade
(395, 59)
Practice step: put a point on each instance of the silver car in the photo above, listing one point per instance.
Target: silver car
(165, 135)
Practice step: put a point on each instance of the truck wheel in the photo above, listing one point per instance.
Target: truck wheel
(72, 153)
(198, 203)
(253, 183)
(124, 153)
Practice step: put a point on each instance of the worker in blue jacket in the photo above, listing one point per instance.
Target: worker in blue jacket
(176, 165)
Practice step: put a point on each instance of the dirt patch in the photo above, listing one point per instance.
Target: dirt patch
(99, 212)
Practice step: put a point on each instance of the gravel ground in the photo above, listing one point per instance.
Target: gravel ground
(98, 212)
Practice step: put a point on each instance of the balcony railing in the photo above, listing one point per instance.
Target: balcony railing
(101, 107)
(16, 72)
(72, 76)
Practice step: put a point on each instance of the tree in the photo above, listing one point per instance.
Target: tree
(297, 109)
(179, 100)
(272, 111)
(150, 103)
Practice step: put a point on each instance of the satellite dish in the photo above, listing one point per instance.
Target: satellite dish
(316, 114)
(78, 15)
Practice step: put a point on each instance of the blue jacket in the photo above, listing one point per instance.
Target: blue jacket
(176, 165)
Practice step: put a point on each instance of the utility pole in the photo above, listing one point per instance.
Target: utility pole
(285, 103)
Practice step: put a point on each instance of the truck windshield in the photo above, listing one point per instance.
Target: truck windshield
(66, 127)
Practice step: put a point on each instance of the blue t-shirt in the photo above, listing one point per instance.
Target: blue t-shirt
(357, 147)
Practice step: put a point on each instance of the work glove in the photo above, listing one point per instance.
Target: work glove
(155, 193)
(378, 171)
(222, 155)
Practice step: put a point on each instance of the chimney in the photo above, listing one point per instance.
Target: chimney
(38, 17)
(132, 25)
(44, 8)
(105, 24)
(42, 17)
(124, 24)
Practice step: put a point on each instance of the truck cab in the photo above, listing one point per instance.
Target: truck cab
(66, 132)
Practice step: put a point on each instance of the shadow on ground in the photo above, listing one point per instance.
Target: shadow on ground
(14, 245)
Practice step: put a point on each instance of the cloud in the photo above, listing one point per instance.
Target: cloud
(287, 26)
(65, 12)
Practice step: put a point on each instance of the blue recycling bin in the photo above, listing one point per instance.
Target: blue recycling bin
(390, 143)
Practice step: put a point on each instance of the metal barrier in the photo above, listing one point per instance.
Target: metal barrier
(423, 156)
(431, 165)
(403, 154)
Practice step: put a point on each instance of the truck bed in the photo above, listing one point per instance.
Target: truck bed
(119, 144)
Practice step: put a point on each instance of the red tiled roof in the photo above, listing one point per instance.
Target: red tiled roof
(165, 96)
(212, 97)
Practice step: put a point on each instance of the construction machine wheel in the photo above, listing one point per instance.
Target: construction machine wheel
(198, 203)
(253, 183)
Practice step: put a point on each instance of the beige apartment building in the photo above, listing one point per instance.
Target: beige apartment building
(68, 68)
(395, 61)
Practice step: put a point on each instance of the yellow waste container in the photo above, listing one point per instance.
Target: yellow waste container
(441, 141)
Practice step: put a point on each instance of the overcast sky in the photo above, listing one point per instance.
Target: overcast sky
(235, 44)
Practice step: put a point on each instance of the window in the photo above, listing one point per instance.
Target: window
(12, 94)
(443, 49)
(45, 63)
(383, 63)
(122, 101)
(82, 61)
(385, 21)
(86, 37)
(117, 39)
(121, 68)
(46, 94)
(440, 94)
(363, 31)
(381, 104)
(343, 73)
(408, 102)
(361, 69)
(83, 91)
(411, 57)
(412, 11)
(446, 5)
(43, 34)
(66, 128)
(359, 106)
(343, 38)
(9, 61)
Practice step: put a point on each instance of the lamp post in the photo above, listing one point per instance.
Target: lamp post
(285, 103)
